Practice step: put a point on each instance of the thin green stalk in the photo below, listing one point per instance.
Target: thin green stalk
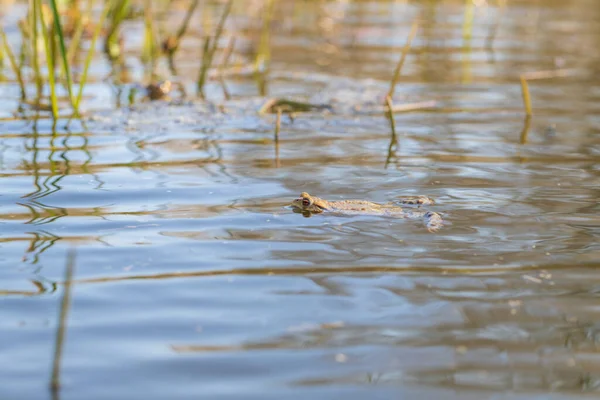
(33, 14)
(23, 51)
(263, 54)
(90, 53)
(149, 48)
(171, 43)
(79, 28)
(278, 125)
(13, 63)
(204, 66)
(411, 35)
(526, 96)
(209, 50)
(1, 61)
(63, 52)
(277, 130)
(220, 26)
(536, 75)
(394, 137)
(223, 65)
(390, 110)
(186, 21)
(49, 61)
(119, 10)
(62, 322)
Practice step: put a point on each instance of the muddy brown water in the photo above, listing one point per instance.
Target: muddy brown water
(194, 280)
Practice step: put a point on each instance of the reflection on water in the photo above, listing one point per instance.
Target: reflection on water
(195, 278)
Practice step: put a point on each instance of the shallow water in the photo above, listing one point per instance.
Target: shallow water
(195, 280)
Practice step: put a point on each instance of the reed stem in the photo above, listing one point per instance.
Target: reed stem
(63, 52)
(62, 322)
(90, 54)
(13, 63)
(33, 15)
(526, 96)
(186, 22)
(405, 50)
(223, 65)
(263, 54)
(278, 125)
(49, 60)
(390, 114)
(210, 48)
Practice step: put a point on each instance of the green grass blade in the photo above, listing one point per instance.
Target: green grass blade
(90, 54)
(210, 49)
(186, 20)
(13, 62)
(204, 67)
(33, 14)
(1, 60)
(49, 60)
(78, 33)
(149, 48)
(263, 54)
(220, 26)
(119, 10)
(63, 52)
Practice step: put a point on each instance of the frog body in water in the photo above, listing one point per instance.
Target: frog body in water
(307, 205)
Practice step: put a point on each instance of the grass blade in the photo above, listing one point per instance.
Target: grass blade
(49, 60)
(263, 54)
(33, 14)
(63, 52)
(13, 62)
(209, 50)
(411, 35)
(62, 321)
(526, 96)
(204, 67)
(78, 32)
(90, 54)
(119, 10)
(171, 43)
(220, 26)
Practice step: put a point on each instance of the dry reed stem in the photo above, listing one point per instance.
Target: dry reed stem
(526, 96)
(537, 75)
(185, 23)
(13, 63)
(525, 130)
(414, 106)
(223, 65)
(394, 138)
(390, 112)
(411, 35)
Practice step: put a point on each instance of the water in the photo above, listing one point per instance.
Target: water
(194, 280)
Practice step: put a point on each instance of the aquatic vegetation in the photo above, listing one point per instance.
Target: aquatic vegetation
(405, 50)
(210, 48)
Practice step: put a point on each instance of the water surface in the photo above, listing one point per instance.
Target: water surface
(194, 280)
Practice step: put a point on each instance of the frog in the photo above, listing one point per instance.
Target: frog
(308, 205)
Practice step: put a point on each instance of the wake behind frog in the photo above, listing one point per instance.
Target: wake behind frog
(307, 204)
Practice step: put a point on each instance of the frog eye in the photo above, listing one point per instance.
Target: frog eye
(305, 202)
